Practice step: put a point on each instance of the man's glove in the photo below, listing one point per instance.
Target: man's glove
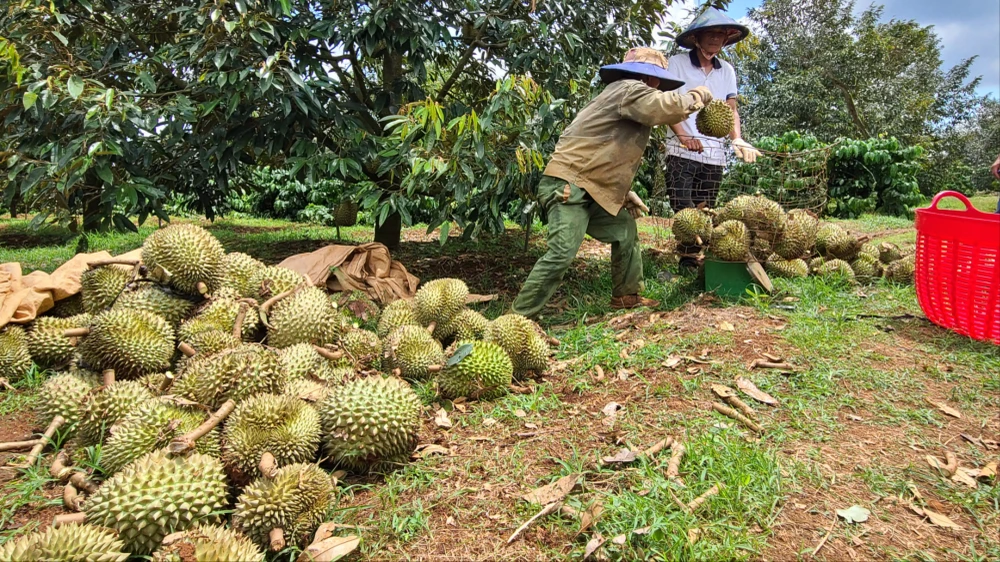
(702, 94)
(634, 205)
(745, 152)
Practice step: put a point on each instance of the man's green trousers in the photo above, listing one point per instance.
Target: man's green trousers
(572, 214)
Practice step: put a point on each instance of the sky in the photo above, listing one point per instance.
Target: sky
(965, 28)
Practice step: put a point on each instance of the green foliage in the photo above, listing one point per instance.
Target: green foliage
(791, 172)
(873, 175)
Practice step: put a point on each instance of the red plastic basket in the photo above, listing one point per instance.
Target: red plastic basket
(958, 268)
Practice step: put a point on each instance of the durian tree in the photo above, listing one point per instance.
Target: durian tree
(111, 108)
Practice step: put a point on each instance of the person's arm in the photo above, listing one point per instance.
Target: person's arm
(653, 108)
(995, 169)
(737, 132)
(689, 141)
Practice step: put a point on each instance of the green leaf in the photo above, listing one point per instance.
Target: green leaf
(74, 86)
(29, 99)
(462, 352)
(105, 174)
(109, 97)
(444, 233)
(230, 26)
(147, 81)
(62, 38)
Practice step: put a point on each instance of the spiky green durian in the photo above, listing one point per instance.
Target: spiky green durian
(798, 237)
(815, 263)
(715, 119)
(101, 286)
(132, 342)
(221, 312)
(414, 352)
(765, 218)
(468, 325)
(208, 543)
(522, 340)
(735, 210)
(533, 359)
(808, 218)
(692, 226)
(842, 245)
(363, 349)
(786, 268)
(64, 395)
(484, 373)
(760, 249)
(888, 253)
(157, 495)
(395, 314)
(901, 270)
(15, 358)
(151, 426)
(172, 307)
(208, 342)
(105, 405)
(234, 373)
(184, 255)
(279, 424)
(302, 360)
(826, 232)
(869, 249)
(69, 306)
(46, 343)
(309, 390)
(240, 271)
(370, 423)
(306, 316)
(867, 267)
(69, 543)
(274, 280)
(296, 501)
(835, 268)
(438, 301)
(345, 213)
(731, 241)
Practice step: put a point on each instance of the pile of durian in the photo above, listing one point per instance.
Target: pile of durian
(789, 244)
(198, 382)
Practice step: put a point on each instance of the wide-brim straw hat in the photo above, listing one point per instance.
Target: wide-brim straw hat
(713, 18)
(645, 61)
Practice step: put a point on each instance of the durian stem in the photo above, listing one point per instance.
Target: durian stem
(5, 384)
(697, 502)
(331, 355)
(430, 327)
(277, 539)
(741, 406)
(266, 307)
(185, 443)
(185, 348)
(57, 422)
(108, 376)
(552, 341)
(102, 263)
(758, 364)
(658, 446)
(58, 469)
(80, 481)
(71, 498)
(240, 317)
(727, 411)
(435, 368)
(268, 465)
(76, 332)
(15, 445)
(69, 519)
(202, 288)
(674, 466)
(168, 381)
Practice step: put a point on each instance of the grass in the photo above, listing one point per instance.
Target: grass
(852, 426)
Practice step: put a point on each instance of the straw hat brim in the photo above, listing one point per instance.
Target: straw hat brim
(614, 72)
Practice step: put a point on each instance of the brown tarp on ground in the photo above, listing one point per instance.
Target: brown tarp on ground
(367, 268)
(23, 297)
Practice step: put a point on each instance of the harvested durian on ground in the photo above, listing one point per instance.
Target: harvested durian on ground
(307, 390)
(715, 119)
(208, 543)
(780, 267)
(478, 370)
(901, 270)
(867, 267)
(151, 426)
(186, 257)
(302, 360)
(832, 241)
(765, 218)
(64, 395)
(304, 316)
(239, 273)
(362, 349)
(523, 342)
(222, 311)
(236, 373)
(815, 263)
(132, 342)
(274, 280)
(798, 236)
(69, 306)
(889, 253)
(47, 344)
(731, 241)
(207, 342)
(284, 508)
(370, 423)
(282, 425)
(438, 301)
(15, 358)
(105, 406)
(395, 314)
(156, 495)
(468, 324)
(72, 542)
(760, 249)
(151, 298)
(870, 249)
(100, 287)
(836, 268)
(412, 353)
(692, 226)
(735, 210)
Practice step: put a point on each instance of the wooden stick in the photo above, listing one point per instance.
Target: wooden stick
(71, 498)
(727, 411)
(697, 502)
(674, 466)
(552, 341)
(826, 536)
(202, 288)
(57, 422)
(185, 443)
(15, 445)
(331, 355)
(5, 384)
(276, 538)
(185, 348)
(76, 332)
(434, 368)
(742, 406)
(758, 364)
(240, 317)
(108, 377)
(113, 261)
(549, 508)
(68, 519)
(657, 447)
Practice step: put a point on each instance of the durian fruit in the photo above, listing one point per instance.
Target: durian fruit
(69, 306)
(308, 390)
(780, 267)
(105, 405)
(282, 425)
(15, 359)
(345, 213)
(46, 343)
(765, 218)
(760, 249)
(735, 210)
(239, 272)
(438, 301)
(235, 373)
(901, 270)
(815, 263)
(132, 342)
(221, 312)
(72, 543)
(151, 426)
(866, 267)
(157, 383)
(207, 342)
(870, 249)
(302, 361)
(208, 543)
(522, 340)
(150, 298)
(274, 280)
(827, 232)
(184, 256)
(306, 316)
(101, 286)
(414, 352)
(395, 314)
(798, 236)
(295, 500)
(715, 119)
(731, 241)
(484, 373)
(692, 226)
(808, 218)
(889, 252)
(842, 245)
(370, 423)
(157, 495)
(363, 349)
(468, 325)
(836, 268)
(63, 395)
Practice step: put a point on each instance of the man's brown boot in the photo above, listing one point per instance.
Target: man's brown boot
(632, 301)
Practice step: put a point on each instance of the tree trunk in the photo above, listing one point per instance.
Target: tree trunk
(389, 232)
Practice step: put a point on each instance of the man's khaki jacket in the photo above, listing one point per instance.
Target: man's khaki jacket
(601, 149)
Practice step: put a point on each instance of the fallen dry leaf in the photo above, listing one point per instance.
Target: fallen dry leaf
(520, 413)
(988, 472)
(723, 391)
(623, 456)
(854, 514)
(726, 326)
(424, 451)
(553, 492)
(623, 374)
(619, 540)
(940, 520)
(531, 425)
(441, 419)
(694, 535)
(450, 521)
(549, 508)
(600, 372)
(610, 411)
(693, 370)
(944, 408)
(747, 386)
(672, 361)
(642, 531)
(330, 549)
(590, 516)
(595, 542)
(963, 476)
(489, 421)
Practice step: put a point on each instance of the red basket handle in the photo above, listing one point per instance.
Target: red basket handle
(969, 208)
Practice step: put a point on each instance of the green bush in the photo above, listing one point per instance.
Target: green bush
(873, 176)
(790, 171)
